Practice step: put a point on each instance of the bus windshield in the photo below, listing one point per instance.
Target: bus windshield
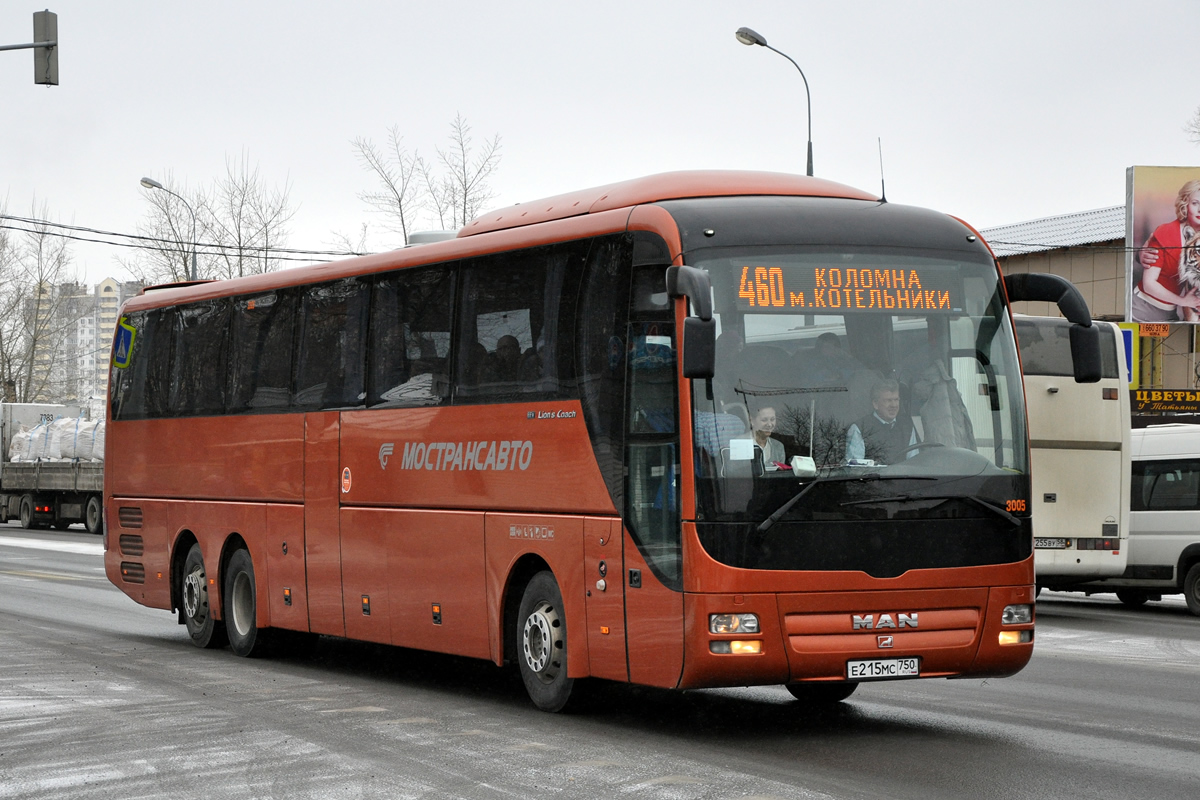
(883, 386)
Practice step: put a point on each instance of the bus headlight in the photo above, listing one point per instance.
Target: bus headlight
(733, 623)
(1017, 615)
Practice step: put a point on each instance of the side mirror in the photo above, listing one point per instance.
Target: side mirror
(1085, 353)
(699, 332)
(1085, 337)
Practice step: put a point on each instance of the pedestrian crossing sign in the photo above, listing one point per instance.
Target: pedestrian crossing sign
(123, 346)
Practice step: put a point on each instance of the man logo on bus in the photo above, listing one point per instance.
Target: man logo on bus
(385, 450)
(867, 621)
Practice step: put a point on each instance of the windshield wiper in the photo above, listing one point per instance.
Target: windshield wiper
(909, 498)
(766, 524)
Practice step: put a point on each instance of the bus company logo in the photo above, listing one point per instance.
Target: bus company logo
(385, 450)
(530, 532)
(869, 623)
(478, 456)
(560, 413)
(884, 641)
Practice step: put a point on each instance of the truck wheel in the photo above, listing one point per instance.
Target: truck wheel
(197, 615)
(246, 639)
(27, 513)
(541, 636)
(1191, 589)
(93, 519)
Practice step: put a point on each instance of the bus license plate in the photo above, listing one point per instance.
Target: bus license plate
(871, 669)
(1052, 544)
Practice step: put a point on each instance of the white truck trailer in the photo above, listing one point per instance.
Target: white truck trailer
(51, 473)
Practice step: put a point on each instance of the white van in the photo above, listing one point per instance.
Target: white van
(1164, 518)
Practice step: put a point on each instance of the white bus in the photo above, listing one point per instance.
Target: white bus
(1164, 534)
(1079, 451)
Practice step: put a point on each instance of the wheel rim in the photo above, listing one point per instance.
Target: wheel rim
(242, 603)
(542, 642)
(195, 596)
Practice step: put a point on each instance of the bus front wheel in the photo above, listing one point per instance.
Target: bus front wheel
(241, 608)
(821, 694)
(197, 615)
(541, 637)
(1191, 589)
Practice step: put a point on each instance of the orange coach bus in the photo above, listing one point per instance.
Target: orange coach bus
(627, 433)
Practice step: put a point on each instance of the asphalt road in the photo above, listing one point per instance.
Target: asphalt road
(100, 697)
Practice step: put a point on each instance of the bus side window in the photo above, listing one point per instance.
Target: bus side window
(260, 352)
(129, 382)
(198, 375)
(410, 338)
(330, 360)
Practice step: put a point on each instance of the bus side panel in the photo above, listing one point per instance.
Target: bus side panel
(284, 548)
(604, 588)
(150, 544)
(364, 549)
(322, 545)
(257, 457)
(559, 542)
(654, 616)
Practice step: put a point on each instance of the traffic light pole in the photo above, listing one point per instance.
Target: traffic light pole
(45, 27)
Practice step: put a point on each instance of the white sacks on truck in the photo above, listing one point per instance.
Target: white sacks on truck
(65, 439)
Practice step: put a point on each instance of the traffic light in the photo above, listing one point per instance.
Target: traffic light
(45, 59)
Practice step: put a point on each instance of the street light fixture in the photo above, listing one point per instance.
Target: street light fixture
(150, 183)
(748, 37)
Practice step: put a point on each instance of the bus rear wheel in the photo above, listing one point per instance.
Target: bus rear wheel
(821, 694)
(1133, 598)
(1191, 589)
(197, 615)
(246, 639)
(541, 636)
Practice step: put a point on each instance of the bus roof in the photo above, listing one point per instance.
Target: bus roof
(663, 186)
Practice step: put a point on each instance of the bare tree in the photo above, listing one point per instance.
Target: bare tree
(451, 192)
(238, 223)
(40, 309)
(398, 196)
(1192, 127)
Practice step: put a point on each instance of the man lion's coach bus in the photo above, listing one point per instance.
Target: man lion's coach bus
(635, 433)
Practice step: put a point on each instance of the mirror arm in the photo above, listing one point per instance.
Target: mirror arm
(1041, 287)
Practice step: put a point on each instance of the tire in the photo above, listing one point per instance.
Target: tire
(197, 615)
(1191, 589)
(541, 636)
(27, 512)
(821, 694)
(246, 639)
(93, 518)
(1132, 598)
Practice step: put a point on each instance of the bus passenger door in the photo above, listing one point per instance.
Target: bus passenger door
(604, 587)
(322, 534)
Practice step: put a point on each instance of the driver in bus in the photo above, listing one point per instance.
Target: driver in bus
(884, 436)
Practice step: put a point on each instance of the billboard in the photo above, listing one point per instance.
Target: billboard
(1162, 240)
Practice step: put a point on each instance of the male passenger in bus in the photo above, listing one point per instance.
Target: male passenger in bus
(883, 436)
(505, 363)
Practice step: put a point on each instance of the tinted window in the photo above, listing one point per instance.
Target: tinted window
(140, 390)
(260, 359)
(516, 308)
(331, 357)
(198, 375)
(410, 337)
(1046, 347)
(1166, 485)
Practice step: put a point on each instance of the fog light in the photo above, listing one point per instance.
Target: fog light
(733, 623)
(1017, 615)
(1016, 637)
(750, 647)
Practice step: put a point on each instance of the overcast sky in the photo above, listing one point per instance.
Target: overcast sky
(996, 112)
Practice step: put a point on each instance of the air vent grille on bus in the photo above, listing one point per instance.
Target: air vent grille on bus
(131, 545)
(129, 517)
(133, 572)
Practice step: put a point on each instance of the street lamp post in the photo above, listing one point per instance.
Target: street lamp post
(749, 37)
(150, 183)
